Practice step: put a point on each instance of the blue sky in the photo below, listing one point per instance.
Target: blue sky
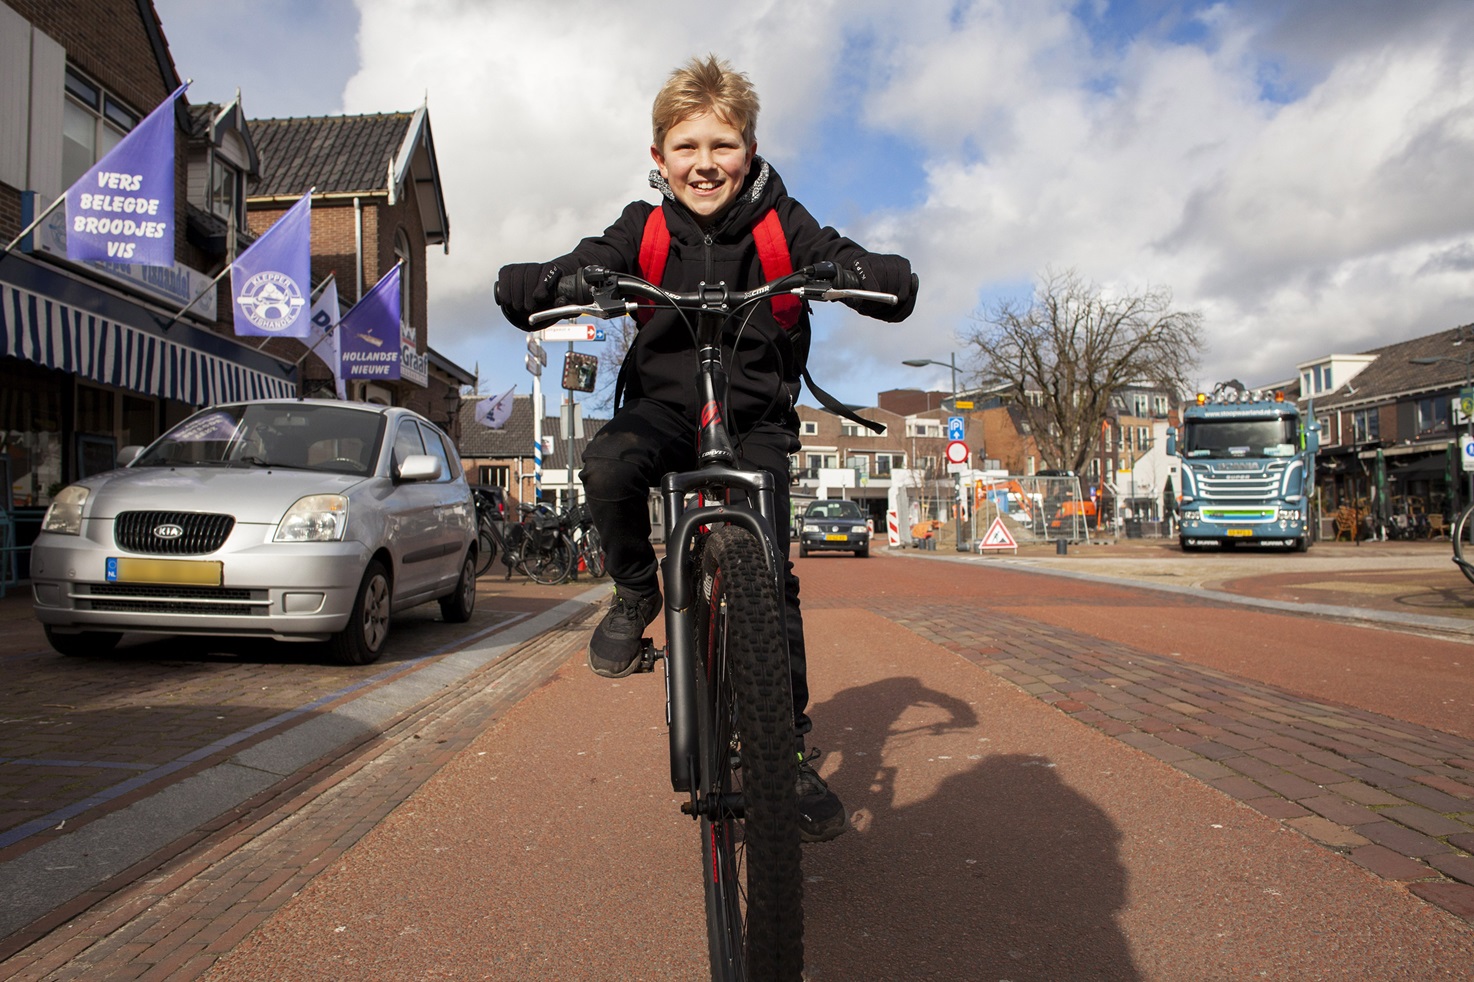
(1295, 171)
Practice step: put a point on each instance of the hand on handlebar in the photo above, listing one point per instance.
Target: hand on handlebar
(523, 289)
(887, 274)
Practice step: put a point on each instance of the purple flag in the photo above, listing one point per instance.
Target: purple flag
(271, 281)
(368, 337)
(122, 209)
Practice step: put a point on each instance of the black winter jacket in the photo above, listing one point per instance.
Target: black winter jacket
(767, 365)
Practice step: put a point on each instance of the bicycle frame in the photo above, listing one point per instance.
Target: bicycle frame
(717, 477)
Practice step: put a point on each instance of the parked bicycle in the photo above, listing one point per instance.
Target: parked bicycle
(728, 689)
(586, 542)
(489, 518)
(539, 546)
(1463, 536)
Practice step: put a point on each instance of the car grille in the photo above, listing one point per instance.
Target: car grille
(142, 599)
(137, 531)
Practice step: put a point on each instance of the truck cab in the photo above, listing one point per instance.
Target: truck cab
(1248, 471)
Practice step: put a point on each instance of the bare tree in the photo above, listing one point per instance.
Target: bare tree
(1065, 353)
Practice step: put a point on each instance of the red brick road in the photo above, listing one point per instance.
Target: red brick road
(1151, 842)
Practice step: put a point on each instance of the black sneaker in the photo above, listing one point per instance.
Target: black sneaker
(821, 815)
(614, 650)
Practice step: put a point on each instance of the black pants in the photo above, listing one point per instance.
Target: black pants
(646, 440)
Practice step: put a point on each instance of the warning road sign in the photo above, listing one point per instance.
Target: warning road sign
(997, 537)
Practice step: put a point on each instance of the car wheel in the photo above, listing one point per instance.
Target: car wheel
(84, 644)
(457, 607)
(362, 640)
(863, 552)
(803, 550)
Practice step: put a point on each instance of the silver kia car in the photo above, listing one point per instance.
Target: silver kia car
(307, 520)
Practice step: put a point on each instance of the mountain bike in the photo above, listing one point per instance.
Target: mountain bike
(728, 689)
(1463, 536)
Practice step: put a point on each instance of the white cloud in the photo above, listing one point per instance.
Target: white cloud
(1298, 174)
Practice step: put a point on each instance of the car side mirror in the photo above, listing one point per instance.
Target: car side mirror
(1171, 441)
(420, 467)
(128, 455)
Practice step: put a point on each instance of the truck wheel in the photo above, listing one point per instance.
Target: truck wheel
(1302, 544)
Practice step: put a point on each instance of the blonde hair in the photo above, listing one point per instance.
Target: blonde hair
(699, 87)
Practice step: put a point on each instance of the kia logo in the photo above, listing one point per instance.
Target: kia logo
(168, 531)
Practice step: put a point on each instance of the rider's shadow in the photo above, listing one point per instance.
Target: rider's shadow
(973, 866)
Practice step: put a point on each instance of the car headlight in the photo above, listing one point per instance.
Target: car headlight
(65, 514)
(315, 518)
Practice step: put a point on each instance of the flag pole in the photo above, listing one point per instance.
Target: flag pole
(317, 292)
(207, 288)
(60, 200)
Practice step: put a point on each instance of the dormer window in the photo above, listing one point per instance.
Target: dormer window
(225, 192)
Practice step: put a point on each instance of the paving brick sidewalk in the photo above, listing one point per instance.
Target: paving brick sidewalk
(1394, 797)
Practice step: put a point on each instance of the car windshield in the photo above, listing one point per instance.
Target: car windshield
(289, 435)
(833, 509)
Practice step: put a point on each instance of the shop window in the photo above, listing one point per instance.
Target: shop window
(30, 435)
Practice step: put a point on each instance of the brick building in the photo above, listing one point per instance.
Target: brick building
(95, 356)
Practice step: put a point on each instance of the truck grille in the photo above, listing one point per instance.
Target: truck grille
(137, 531)
(134, 598)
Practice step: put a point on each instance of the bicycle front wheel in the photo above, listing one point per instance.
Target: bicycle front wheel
(1463, 535)
(749, 767)
(552, 562)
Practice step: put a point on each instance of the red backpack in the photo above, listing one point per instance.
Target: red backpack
(772, 255)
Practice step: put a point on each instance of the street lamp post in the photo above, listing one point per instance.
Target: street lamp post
(957, 503)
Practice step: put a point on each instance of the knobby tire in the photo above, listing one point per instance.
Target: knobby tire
(749, 768)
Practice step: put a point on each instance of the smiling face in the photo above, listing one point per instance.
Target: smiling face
(704, 160)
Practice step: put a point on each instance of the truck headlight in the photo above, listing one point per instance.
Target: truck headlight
(315, 518)
(64, 517)
(1190, 516)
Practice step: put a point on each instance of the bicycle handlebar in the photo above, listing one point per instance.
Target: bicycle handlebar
(604, 294)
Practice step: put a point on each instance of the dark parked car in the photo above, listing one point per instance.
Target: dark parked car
(834, 524)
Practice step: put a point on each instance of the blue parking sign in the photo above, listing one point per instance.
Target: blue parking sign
(955, 429)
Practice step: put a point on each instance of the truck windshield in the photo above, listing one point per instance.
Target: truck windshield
(1240, 437)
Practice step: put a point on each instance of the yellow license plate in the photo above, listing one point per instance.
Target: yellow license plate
(836, 538)
(176, 572)
(1240, 532)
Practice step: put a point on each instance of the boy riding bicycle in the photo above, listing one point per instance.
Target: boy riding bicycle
(725, 217)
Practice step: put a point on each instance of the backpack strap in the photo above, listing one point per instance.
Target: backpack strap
(772, 254)
(654, 250)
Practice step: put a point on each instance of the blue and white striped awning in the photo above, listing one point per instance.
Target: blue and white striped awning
(50, 333)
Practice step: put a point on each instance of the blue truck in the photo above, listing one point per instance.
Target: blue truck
(1248, 471)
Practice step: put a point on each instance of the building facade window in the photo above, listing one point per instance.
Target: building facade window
(406, 281)
(225, 192)
(1433, 415)
(93, 122)
(496, 475)
(810, 428)
(886, 462)
(1365, 427)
